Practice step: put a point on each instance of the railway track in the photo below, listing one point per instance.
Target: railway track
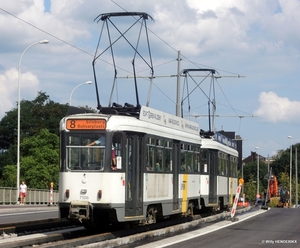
(55, 233)
(28, 227)
(32, 232)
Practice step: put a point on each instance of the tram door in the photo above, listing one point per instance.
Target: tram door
(213, 170)
(175, 168)
(133, 186)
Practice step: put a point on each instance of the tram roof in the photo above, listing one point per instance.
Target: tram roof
(148, 121)
(212, 143)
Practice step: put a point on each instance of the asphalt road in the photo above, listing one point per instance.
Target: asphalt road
(14, 214)
(276, 227)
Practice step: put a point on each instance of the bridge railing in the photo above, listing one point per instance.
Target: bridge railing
(34, 196)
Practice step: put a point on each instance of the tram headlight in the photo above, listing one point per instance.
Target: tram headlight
(67, 193)
(99, 194)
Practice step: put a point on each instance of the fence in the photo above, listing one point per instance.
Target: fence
(8, 196)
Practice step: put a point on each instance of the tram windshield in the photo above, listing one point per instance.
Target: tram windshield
(86, 151)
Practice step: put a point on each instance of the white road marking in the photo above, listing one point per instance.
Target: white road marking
(199, 232)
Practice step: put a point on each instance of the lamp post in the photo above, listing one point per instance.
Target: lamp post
(291, 153)
(257, 157)
(87, 82)
(19, 109)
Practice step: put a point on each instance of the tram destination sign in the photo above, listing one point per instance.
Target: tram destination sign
(86, 124)
(225, 140)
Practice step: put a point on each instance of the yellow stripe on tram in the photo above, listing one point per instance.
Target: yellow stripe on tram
(184, 190)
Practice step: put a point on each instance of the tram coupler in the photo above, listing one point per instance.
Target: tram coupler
(79, 210)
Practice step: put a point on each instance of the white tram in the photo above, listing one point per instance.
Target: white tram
(161, 168)
(136, 164)
(219, 153)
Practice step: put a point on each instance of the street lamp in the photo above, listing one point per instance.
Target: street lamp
(291, 151)
(19, 108)
(88, 82)
(257, 157)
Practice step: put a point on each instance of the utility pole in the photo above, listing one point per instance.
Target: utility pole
(178, 86)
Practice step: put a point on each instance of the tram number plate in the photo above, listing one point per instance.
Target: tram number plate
(86, 124)
(84, 197)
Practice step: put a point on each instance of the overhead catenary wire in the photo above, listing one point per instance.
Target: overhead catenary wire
(138, 76)
(90, 54)
(197, 65)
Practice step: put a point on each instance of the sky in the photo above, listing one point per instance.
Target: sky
(252, 45)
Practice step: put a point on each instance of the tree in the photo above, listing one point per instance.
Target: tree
(250, 191)
(282, 163)
(9, 176)
(35, 115)
(284, 180)
(280, 168)
(250, 178)
(39, 163)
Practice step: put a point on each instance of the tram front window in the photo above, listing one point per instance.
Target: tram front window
(85, 152)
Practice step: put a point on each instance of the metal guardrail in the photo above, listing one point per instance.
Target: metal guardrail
(8, 196)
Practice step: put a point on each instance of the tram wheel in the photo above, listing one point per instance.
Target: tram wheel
(151, 216)
(190, 211)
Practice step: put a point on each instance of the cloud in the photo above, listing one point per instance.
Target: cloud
(255, 39)
(276, 109)
(29, 85)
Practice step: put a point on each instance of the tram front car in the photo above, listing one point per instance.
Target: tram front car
(87, 158)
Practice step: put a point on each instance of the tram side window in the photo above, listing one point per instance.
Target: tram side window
(219, 163)
(233, 166)
(159, 154)
(223, 164)
(222, 169)
(117, 143)
(226, 164)
(190, 158)
(150, 163)
(183, 158)
(128, 165)
(204, 161)
(117, 149)
(168, 155)
(197, 159)
(159, 164)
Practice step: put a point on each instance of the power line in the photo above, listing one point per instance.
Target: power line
(240, 116)
(176, 50)
(46, 32)
(79, 49)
